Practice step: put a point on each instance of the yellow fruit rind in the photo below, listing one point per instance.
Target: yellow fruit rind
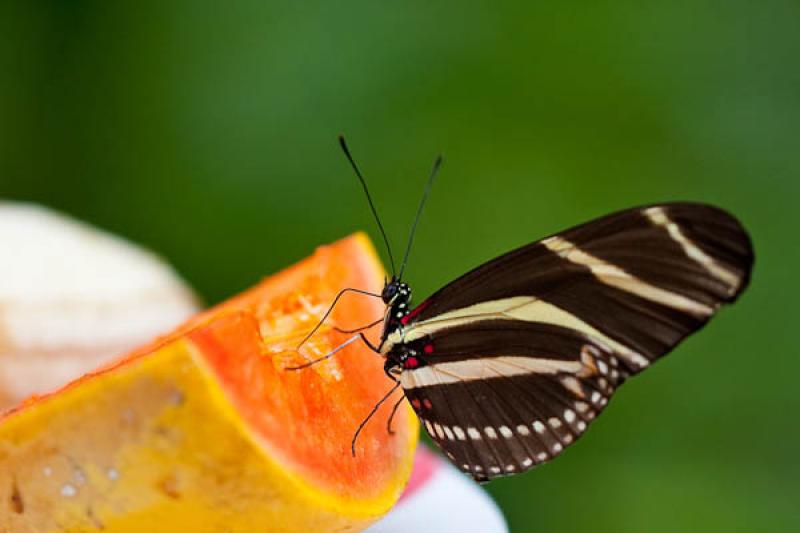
(156, 446)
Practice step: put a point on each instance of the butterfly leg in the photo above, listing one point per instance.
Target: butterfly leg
(370, 415)
(371, 324)
(333, 352)
(391, 416)
(368, 343)
(330, 309)
(328, 355)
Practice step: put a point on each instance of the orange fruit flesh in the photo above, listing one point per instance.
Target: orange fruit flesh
(206, 429)
(309, 417)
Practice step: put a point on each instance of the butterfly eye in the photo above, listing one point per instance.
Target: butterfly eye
(389, 292)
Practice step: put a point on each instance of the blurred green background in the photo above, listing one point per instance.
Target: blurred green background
(206, 131)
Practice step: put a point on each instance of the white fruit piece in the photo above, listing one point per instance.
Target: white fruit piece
(73, 297)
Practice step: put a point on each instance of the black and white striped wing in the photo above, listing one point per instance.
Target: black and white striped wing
(501, 396)
(519, 355)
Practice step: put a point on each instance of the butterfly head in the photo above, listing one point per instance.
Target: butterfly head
(395, 292)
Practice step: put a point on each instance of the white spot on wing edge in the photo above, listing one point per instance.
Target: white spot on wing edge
(449, 433)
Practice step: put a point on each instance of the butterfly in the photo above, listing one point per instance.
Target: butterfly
(510, 363)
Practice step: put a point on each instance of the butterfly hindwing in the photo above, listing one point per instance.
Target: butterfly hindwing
(500, 397)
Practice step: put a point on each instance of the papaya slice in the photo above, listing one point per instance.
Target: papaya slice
(206, 429)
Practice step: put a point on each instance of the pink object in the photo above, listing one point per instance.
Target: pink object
(425, 466)
(440, 498)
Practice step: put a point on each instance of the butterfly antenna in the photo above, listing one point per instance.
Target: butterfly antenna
(434, 171)
(346, 151)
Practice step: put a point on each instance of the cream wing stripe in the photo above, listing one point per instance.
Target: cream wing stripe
(527, 308)
(659, 217)
(614, 276)
(484, 368)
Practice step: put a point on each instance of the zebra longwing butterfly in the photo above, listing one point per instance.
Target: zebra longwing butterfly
(508, 365)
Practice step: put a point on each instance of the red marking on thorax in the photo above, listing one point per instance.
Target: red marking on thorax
(428, 348)
(406, 319)
(427, 403)
(411, 362)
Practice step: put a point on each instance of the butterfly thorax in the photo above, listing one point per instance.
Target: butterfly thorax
(397, 297)
(400, 355)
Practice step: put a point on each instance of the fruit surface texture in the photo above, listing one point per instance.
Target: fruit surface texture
(206, 429)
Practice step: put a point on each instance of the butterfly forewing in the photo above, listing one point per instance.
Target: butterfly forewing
(519, 355)
(667, 247)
